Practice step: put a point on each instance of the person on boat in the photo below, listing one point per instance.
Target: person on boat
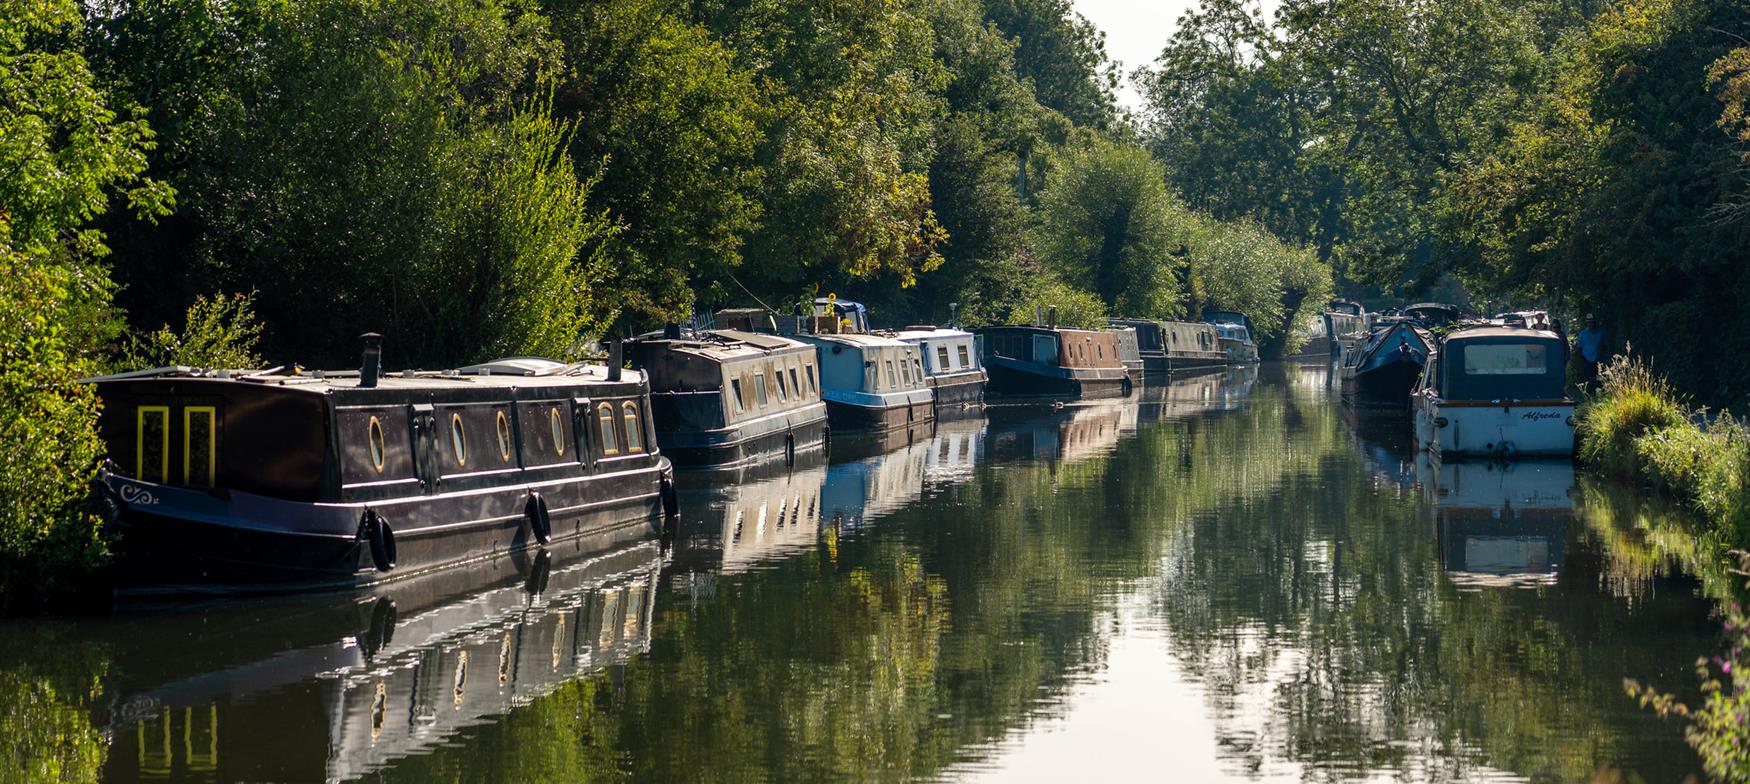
(1590, 343)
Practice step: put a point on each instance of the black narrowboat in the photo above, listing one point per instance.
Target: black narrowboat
(1151, 344)
(725, 397)
(1053, 363)
(290, 480)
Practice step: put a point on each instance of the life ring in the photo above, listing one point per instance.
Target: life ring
(540, 521)
(381, 539)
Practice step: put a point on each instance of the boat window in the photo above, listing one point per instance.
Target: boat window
(1505, 360)
(942, 362)
(634, 434)
(504, 437)
(557, 423)
(759, 388)
(917, 366)
(375, 436)
(965, 357)
(873, 377)
(458, 440)
(605, 418)
(783, 393)
(1100, 350)
(813, 388)
(905, 370)
(737, 395)
(151, 447)
(200, 446)
(892, 380)
(796, 384)
(1044, 349)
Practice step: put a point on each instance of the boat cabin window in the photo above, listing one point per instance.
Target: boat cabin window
(458, 440)
(1505, 360)
(759, 389)
(605, 418)
(917, 371)
(965, 357)
(796, 384)
(634, 434)
(874, 379)
(1044, 349)
(892, 378)
(200, 446)
(556, 423)
(151, 444)
(942, 363)
(783, 394)
(503, 427)
(813, 388)
(375, 435)
(737, 395)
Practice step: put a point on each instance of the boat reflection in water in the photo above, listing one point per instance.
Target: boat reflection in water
(733, 526)
(1500, 524)
(1068, 435)
(338, 687)
(1190, 395)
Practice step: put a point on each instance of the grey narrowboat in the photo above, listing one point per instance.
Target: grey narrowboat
(868, 381)
(1053, 363)
(1193, 347)
(1129, 353)
(726, 397)
(1236, 334)
(288, 480)
(951, 364)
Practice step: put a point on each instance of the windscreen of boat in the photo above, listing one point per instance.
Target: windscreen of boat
(1505, 369)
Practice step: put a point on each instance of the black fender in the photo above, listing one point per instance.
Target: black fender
(540, 521)
(377, 534)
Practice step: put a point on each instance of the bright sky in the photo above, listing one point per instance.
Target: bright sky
(1135, 32)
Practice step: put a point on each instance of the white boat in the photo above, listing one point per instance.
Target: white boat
(951, 364)
(1495, 392)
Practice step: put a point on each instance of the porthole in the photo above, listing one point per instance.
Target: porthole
(458, 440)
(376, 439)
(503, 437)
(557, 423)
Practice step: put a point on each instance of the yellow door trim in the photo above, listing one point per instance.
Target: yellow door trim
(212, 443)
(140, 442)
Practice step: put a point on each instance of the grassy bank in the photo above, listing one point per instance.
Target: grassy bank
(1637, 428)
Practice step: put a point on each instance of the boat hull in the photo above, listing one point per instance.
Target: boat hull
(1017, 380)
(952, 390)
(1538, 428)
(781, 435)
(1389, 380)
(903, 413)
(182, 540)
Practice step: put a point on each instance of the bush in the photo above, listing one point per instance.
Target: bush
(218, 332)
(1631, 403)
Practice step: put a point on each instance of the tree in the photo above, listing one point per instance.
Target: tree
(1062, 56)
(65, 153)
(1103, 227)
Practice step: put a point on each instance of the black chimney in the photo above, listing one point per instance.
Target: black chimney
(672, 330)
(373, 367)
(1052, 318)
(616, 357)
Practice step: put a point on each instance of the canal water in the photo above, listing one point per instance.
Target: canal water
(1231, 577)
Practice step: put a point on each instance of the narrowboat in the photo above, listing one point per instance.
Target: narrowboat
(1193, 347)
(868, 381)
(951, 364)
(1151, 344)
(1496, 392)
(1235, 331)
(1386, 368)
(1130, 353)
(1433, 315)
(1345, 324)
(1053, 363)
(725, 397)
(290, 480)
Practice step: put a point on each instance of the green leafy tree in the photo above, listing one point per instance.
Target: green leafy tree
(1062, 56)
(65, 155)
(218, 332)
(1104, 227)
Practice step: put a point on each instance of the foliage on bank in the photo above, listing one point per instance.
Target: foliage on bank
(1638, 428)
(1582, 154)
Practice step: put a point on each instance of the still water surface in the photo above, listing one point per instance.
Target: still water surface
(1232, 577)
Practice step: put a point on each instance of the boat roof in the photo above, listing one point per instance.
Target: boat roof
(910, 334)
(725, 344)
(502, 373)
(854, 339)
(1497, 331)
